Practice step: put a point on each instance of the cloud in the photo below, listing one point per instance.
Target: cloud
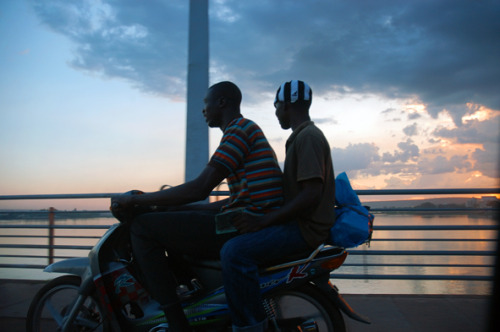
(365, 159)
(355, 157)
(414, 116)
(437, 51)
(407, 151)
(480, 132)
(145, 43)
(441, 164)
(487, 160)
(325, 121)
(444, 53)
(388, 111)
(473, 131)
(410, 130)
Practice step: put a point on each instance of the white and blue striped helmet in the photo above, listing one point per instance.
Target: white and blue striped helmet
(292, 91)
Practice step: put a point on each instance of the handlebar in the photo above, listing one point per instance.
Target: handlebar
(124, 214)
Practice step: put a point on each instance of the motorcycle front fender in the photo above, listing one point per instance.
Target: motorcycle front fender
(77, 266)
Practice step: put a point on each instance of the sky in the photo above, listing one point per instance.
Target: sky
(93, 93)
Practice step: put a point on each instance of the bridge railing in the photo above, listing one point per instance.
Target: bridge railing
(36, 244)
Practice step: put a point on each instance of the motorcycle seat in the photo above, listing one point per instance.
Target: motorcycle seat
(320, 252)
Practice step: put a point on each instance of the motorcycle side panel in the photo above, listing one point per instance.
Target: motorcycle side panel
(129, 302)
(125, 298)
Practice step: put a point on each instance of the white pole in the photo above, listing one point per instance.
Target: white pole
(197, 83)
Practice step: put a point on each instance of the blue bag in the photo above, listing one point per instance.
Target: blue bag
(354, 223)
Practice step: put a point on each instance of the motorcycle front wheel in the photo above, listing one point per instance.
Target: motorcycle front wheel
(53, 302)
(305, 308)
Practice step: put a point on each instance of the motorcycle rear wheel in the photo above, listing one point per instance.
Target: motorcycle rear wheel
(307, 303)
(53, 302)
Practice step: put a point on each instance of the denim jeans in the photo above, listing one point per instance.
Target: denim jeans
(241, 257)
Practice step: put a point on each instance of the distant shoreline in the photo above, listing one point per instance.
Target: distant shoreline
(59, 215)
(443, 206)
(44, 215)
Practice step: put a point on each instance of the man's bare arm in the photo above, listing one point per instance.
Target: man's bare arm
(191, 191)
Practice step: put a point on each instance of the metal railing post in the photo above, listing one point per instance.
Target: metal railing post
(51, 234)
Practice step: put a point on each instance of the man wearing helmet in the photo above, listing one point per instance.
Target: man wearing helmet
(300, 225)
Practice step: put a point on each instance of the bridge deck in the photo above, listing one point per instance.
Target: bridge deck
(387, 312)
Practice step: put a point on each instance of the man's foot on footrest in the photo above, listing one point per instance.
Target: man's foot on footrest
(184, 292)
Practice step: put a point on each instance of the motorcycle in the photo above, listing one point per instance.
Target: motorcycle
(104, 292)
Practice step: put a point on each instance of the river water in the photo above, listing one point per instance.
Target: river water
(354, 264)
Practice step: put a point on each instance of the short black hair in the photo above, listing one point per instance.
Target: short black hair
(228, 90)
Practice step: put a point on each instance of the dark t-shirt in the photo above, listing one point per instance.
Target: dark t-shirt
(308, 156)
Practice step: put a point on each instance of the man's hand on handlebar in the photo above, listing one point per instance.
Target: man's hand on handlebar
(121, 205)
(124, 200)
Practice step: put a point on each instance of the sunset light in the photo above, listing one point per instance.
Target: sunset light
(103, 109)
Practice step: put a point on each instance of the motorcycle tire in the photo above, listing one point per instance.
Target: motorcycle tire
(54, 301)
(305, 304)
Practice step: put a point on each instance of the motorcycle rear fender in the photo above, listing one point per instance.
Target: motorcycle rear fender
(77, 266)
(334, 295)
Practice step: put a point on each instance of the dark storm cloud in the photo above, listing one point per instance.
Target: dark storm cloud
(444, 52)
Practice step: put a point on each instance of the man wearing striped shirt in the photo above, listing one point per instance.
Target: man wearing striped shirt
(245, 158)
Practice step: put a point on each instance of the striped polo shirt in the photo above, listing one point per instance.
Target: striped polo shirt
(255, 180)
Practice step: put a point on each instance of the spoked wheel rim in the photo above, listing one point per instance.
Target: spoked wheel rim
(50, 310)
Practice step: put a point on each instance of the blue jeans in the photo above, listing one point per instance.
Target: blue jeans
(241, 257)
